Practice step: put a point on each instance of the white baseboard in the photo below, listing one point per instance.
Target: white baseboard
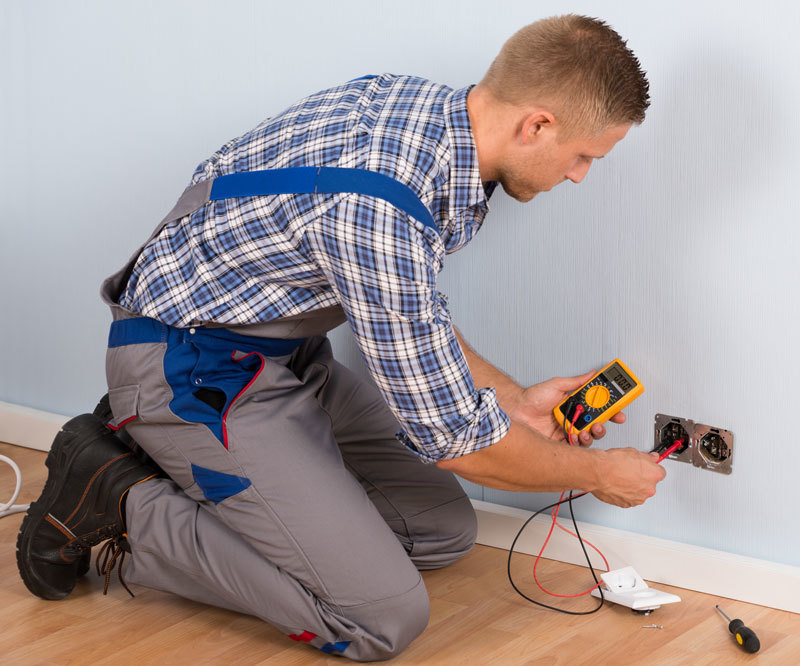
(29, 427)
(656, 560)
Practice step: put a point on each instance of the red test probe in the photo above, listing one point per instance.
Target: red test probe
(675, 446)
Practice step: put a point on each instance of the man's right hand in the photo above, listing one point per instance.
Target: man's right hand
(629, 477)
(525, 460)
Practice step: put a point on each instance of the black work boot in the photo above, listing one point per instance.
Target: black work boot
(82, 504)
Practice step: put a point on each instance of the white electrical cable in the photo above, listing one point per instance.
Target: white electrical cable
(9, 508)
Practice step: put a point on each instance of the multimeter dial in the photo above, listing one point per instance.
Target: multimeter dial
(596, 396)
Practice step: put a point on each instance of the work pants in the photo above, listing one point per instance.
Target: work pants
(299, 507)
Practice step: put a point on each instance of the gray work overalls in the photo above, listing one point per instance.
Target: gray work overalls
(289, 497)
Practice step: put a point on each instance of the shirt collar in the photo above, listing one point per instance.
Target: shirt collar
(468, 199)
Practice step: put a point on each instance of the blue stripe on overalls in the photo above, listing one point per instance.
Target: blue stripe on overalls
(209, 368)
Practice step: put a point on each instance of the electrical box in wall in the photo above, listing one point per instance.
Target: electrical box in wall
(704, 446)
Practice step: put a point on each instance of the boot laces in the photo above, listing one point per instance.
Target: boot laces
(110, 555)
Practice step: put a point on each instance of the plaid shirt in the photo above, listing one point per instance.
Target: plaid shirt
(254, 259)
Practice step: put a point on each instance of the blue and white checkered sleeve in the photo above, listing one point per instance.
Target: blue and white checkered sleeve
(383, 265)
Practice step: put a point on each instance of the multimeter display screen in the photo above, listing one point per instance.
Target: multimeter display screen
(600, 394)
(616, 375)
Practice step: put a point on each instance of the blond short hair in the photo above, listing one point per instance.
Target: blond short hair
(577, 66)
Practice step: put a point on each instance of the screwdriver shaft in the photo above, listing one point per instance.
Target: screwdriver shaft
(725, 615)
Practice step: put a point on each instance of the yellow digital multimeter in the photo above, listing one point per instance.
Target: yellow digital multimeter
(605, 394)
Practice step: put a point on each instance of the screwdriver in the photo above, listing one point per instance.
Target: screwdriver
(745, 637)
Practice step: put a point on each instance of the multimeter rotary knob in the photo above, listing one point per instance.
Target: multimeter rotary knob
(597, 396)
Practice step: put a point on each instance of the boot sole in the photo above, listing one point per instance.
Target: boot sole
(66, 446)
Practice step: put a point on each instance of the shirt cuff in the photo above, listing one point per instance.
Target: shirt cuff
(485, 426)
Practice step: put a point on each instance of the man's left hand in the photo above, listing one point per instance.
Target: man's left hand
(536, 404)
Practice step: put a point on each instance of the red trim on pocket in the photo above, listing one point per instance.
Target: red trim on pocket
(122, 423)
(238, 395)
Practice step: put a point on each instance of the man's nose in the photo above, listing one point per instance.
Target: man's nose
(579, 170)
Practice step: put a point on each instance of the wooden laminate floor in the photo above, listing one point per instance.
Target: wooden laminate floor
(476, 619)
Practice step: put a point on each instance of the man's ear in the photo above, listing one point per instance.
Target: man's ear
(535, 123)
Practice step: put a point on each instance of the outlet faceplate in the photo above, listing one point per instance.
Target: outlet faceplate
(708, 447)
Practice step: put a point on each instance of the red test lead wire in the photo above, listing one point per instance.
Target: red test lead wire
(578, 411)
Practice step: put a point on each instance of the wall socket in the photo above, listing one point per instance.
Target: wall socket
(704, 446)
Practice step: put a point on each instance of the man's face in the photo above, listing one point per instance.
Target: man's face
(539, 165)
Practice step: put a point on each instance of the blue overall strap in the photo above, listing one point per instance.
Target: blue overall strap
(322, 180)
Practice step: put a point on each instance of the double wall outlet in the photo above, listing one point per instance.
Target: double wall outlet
(703, 446)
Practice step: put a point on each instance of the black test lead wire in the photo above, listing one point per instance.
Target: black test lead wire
(577, 533)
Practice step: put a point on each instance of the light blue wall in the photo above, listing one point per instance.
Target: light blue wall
(678, 253)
